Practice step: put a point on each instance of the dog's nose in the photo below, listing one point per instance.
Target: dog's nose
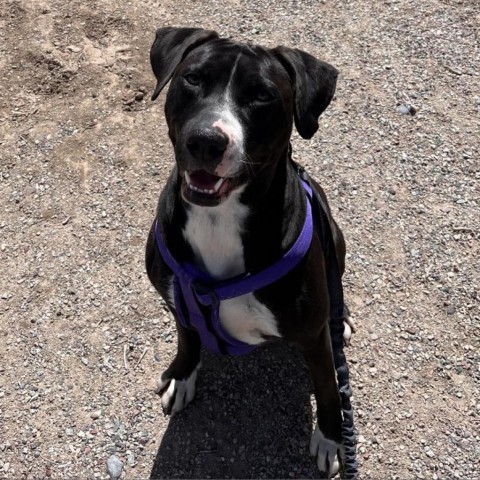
(209, 145)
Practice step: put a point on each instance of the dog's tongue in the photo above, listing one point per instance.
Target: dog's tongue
(204, 180)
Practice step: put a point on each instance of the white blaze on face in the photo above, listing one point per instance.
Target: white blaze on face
(231, 127)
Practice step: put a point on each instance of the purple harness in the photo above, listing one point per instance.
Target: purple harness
(198, 294)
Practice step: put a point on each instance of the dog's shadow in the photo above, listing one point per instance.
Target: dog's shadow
(251, 418)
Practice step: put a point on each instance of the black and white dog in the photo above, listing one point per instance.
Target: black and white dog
(234, 204)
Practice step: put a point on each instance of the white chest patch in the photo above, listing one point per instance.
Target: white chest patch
(214, 234)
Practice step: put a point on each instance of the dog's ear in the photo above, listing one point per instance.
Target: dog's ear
(170, 47)
(314, 84)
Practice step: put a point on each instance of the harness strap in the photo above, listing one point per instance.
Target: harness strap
(208, 291)
(198, 296)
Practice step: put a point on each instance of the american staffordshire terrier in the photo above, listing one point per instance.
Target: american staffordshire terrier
(234, 205)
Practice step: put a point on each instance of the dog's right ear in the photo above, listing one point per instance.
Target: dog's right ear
(170, 47)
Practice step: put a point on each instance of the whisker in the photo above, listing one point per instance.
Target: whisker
(248, 161)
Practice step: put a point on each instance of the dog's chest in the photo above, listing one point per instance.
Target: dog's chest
(215, 237)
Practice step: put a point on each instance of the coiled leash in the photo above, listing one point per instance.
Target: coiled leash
(337, 315)
(198, 296)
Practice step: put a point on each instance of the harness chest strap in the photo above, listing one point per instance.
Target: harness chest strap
(198, 296)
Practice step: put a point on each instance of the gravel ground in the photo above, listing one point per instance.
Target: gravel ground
(83, 156)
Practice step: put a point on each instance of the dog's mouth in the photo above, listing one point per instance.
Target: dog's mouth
(202, 188)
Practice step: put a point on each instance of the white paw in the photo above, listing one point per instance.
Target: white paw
(349, 328)
(177, 394)
(327, 453)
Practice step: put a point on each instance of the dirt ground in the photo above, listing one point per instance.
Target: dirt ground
(83, 156)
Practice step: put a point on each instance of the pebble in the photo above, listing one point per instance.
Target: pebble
(139, 96)
(114, 467)
(131, 459)
(451, 310)
(96, 414)
(392, 191)
(407, 110)
(429, 453)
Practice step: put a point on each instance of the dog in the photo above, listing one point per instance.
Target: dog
(233, 204)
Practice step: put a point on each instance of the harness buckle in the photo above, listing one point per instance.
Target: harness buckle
(205, 295)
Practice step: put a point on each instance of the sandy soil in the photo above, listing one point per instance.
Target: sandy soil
(83, 156)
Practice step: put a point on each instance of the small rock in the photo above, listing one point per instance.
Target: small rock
(69, 432)
(407, 110)
(392, 191)
(73, 48)
(96, 414)
(451, 310)
(131, 459)
(114, 467)
(139, 96)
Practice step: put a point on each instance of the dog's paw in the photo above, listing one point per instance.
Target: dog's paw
(176, 394)
(327, 451)
(348, 330)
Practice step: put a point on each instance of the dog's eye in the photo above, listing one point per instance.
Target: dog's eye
(192, 79)
(263, 95)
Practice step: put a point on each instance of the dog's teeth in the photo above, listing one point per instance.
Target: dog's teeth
(208, 191)
(218, 184)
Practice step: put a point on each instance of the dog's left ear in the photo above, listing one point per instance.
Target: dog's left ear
(314, 84)
(170, 47)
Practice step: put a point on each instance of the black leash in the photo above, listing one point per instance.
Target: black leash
(337, 314)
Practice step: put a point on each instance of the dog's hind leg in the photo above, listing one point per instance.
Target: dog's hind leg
(325, 443)
(176, 386)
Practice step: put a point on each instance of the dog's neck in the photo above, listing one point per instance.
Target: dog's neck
(215, 236)
(251, 228)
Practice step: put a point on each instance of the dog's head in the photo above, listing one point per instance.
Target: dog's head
(230, 107)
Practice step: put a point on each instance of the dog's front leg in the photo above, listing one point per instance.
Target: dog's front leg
(176, 386)
(325, 443)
